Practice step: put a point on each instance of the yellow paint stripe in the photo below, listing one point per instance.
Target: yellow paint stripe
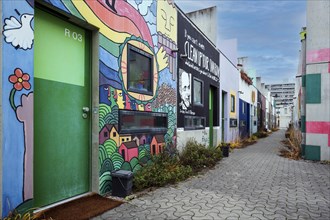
(91, 18)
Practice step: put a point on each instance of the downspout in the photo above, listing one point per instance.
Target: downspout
(303, 36)
(1, 141)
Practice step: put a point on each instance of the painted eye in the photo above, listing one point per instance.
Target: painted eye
(24, 16)
(164, 16)
(172, 21)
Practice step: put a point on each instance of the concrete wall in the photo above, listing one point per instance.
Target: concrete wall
(201, 136)
(206, 20)
(317, 81)
(229, 83)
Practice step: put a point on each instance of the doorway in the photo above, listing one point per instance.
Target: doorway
(62, 99)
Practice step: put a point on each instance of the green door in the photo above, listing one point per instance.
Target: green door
(62, 89)
(211, 94)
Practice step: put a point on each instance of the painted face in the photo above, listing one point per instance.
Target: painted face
(140, 107)
(127, 102)
(104, 94)
(147, 107)
(120, 99)
(185, 89)
(167, 19)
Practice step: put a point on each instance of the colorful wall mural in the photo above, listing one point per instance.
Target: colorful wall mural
(198, 73)
(17, 107)
(148, 26)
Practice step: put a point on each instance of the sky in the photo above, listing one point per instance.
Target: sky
(267, 32)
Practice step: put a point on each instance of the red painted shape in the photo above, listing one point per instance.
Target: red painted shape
(125, 20)
(322, 55)
(316, 127)
(113, 21)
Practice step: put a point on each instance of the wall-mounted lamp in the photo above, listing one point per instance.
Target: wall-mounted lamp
(183, 56)
(240, 92)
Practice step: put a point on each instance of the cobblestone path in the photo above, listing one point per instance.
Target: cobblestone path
(252, 183)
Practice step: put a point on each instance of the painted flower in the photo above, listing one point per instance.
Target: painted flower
(20, 80)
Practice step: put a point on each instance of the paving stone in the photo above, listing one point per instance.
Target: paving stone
(252, 183)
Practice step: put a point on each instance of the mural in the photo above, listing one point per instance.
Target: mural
(185, 90)
(151, 30)
(150, 26)
(17, 89)
(198, 72)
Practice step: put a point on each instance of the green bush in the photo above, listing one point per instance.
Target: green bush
(198, 156)
(168, 167)
(164, 169)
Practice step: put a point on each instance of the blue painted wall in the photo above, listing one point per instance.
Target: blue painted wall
(244, 119)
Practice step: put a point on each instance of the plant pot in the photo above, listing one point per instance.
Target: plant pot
(225, 151)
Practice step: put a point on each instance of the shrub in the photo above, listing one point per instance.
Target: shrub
(164, 169)
(198, 156)
(261, 134)
(292, 143)
(254, 138)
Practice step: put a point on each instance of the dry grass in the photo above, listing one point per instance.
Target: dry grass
(238, 143)
(292, 144)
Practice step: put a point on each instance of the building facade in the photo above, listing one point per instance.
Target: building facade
(198, 86)
(70, 68)
(315, 81)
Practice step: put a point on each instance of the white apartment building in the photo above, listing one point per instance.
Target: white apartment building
(283, 95)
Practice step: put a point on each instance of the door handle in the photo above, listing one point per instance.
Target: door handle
(85, 109)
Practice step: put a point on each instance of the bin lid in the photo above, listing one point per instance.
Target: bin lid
(122, 173)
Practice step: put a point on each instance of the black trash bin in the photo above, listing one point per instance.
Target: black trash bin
(225, 150)
(122, 182)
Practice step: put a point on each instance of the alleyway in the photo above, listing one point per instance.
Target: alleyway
(252, 183)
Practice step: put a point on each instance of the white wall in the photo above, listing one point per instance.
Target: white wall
(229, 82)
(206, 20)
(201, 136)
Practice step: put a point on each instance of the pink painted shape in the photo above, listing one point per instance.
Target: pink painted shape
(322, 55)
(133, 152)
(24, 114)
(316, 127)
(123, 147)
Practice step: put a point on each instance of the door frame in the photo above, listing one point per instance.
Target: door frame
(94, 88)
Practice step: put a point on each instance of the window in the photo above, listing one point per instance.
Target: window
(114, 134)
(105, 134)
(194, 122)
(232, 103)
(139, 69)
(160, 148)
(243, 107)
(198, 92)
(142, 122)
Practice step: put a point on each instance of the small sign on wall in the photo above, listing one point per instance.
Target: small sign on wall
(233, 122)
